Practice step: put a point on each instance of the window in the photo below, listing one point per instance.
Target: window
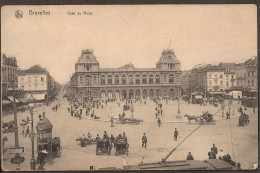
(137, 79)
(210, 76)
(29, 79)
(232, 76)
(95, 79)
(164, 78)
(210, 82)
(248, 74)
(221, 76)
(216, 82)
(253, 73)
(103, 80)
(88, 80)
(22, 80)
(237, 83)
(216, 76)
(150, 78)
(109, 80)
(35, 79)
(171, 78)
(42, 79)
(227, 76)
(131, 80)
(144, 78)
(165, 93)
(248, 83)
(253, 83)
(116, 79)
(80, 79)
(95, 94)
(123, 79)
(227, 83)
(244, 74)
(157, 78)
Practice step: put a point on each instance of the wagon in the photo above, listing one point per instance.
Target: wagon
(121, 146)
(126, 108)
(103, 146)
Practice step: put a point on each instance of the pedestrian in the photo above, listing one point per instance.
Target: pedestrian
(214, 149)
(68, 109)
(175, 134)
(190, 157)
(56, 107)
(159, 122)
(23, 130)
(27, 131)
(71, 113)
(161, 111)
(144, 140)
(102, 107)
(80, 111)
(156, 116)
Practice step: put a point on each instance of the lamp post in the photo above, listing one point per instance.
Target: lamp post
(31, 102)
(17, 150)
(178, 112)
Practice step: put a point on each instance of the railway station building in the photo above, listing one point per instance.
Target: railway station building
(91, 81)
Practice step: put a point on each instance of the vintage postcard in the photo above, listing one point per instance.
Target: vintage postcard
(129, 87)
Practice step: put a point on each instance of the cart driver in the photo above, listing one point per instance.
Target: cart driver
(105, 136)
(89, 136)
(124, 137)
(98, 138)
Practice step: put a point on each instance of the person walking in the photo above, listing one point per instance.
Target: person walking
(68, 109)
(175, 134)
(27, 131)
(144, 140)
(159, 122)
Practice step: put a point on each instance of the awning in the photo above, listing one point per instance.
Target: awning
(11, 98)
(5, 102)
(198, 97)
(37, 96)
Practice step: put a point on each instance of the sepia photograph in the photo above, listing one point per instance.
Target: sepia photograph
(129, 87)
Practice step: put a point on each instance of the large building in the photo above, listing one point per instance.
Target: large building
(9, 74)
(36, 81)
(230, 74)
(127, 81)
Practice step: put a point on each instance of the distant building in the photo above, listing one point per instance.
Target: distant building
(194, 78)
(36, 81)
(230, 75)
(251, 66)
(127, 81)
(9, 74)
(241, 76)
(186, 82)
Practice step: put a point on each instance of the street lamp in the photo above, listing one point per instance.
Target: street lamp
(178, 112)
(31, 100)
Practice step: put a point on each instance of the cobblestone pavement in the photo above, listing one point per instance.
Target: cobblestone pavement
(160, 139)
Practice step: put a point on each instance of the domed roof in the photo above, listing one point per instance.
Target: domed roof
(44, 124)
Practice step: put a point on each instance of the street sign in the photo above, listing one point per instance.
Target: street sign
(17, 160)
(16, 150)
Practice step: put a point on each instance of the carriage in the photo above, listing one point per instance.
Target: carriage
(205, 119)
(243, 119)
(103, 146)
(121, 146)
(8, 127)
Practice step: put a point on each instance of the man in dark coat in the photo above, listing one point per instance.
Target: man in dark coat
(175, 134)
(190, 157)
(214, 149)
(144, 141)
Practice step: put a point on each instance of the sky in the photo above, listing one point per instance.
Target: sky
(120, 34)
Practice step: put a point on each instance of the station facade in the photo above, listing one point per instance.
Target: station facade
(90, 81)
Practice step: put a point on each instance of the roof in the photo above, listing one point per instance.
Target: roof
(21, 72)
(251, 61)
(168, 56)
(44, 124)
(127, 66)
(212, 68)
(227, 65)
(87, 56)
(131, 70)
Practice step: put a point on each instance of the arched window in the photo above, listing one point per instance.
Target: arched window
(137, 79)
(151, 93)
(158, 93)
(150, 78)
(171, 78)
(88, 80)
(131, 80)
(109, 79)
(157, 78)
(103, 80)
(80, 79)
(116, 79)
(144, 80)
(123, 79)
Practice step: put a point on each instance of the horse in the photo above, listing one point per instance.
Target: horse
(193, 117)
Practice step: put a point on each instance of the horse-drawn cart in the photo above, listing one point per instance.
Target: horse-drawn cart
(205, 119)
(103, 146)
(56, 147)
(121, 146)
(243, 119)
(85, 141)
